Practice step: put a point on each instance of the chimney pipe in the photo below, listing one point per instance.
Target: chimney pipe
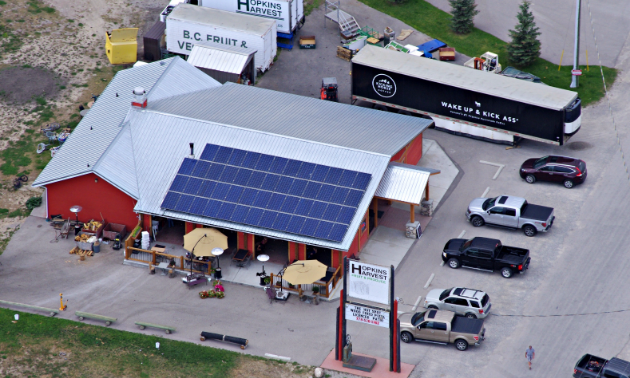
(139, 98)
(192, 150)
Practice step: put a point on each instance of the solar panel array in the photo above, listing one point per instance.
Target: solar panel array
(268, 191)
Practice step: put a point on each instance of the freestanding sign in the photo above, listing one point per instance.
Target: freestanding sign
(369, 282)
(367, 315)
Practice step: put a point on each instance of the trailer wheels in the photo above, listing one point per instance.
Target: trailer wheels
(530, 179)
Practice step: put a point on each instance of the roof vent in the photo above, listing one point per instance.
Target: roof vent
(139, 98)
(192, 150)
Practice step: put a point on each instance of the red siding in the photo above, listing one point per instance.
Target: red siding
(96, 198)
(415, 151)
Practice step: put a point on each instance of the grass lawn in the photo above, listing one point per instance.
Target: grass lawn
(434, 22)
(37, 346)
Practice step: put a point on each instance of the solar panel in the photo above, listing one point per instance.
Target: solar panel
(226, 210)
(270, 182)
(268, 191)
(187, 166)
(179, 183)
(201, 168)
(333, 176)
(207, 187)
(278, 165)
(298, 187)
(317, 210)
(184, 203)
(275, 203)
(242, 176)
(284, 184)
(170, 200)
(250, 160)
(323, 229)
(290, 204)
(223, 155)
(239, 214)
(209, 152)
(237, 157)
(229, 174)
(234, 193)
(193, 185)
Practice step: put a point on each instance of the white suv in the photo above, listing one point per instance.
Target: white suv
(467, 302)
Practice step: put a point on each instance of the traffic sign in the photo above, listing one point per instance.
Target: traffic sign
(576, 72)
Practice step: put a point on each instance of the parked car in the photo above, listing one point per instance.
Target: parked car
(441, 327)
(470, 303)
(567, 170)
(510, 212)
(486, 254)
(590, 366)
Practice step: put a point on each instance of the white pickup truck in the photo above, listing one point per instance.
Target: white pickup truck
(510, 212)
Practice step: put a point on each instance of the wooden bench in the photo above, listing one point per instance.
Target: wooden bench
(52, 311)
(144, 325)
(84, 315)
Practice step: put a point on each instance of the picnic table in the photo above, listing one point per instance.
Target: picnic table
(241, 258)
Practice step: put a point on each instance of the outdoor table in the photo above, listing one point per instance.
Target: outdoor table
(163, 266)
(240, 257)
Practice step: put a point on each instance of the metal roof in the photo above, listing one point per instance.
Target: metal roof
(219, 59)
(298, 117)
(214, 17)
(161, 142)
(403, 183)
(96, 131)
(463, 77)
(117, 165)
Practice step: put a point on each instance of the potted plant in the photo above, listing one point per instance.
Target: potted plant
(267, 280)
(316, 294)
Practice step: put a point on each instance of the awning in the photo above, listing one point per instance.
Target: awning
(218, 59)
(404, 183)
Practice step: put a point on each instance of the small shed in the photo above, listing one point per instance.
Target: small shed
(154, 41)
(224, 65)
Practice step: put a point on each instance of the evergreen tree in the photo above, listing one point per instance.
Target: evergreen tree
(463, 13)
(525, 46)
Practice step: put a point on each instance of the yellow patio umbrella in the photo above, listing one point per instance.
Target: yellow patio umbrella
(304, 272)
(201, 241)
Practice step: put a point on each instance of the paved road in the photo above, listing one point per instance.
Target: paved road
(556, 20)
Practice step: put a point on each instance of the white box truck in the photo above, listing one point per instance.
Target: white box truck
(189, 24)
(288, 14)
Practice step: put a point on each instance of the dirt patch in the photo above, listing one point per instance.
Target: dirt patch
(20, 84)
(247, 368)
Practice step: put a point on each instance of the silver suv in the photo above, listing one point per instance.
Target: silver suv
(467, 302)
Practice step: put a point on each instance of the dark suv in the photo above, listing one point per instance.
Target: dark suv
(567, 170)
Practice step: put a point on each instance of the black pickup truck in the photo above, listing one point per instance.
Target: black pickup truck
(486, 254)
(590, 366)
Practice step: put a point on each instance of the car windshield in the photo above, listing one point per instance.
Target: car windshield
(465, 245)
(445, 294)
(489, 203)
(485, 300)
(540, 162)
(417, 318)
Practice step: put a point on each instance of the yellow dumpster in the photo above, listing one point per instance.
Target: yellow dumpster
(122, 45)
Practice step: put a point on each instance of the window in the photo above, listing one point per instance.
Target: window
(460, 302)
(497, 210)
(563, 170)
(474, 304)
(546, 169)
(540, 162)
(472, 252)
(485, 300)
(445, 294)
(439, 326)
(450, 300)
(612, 374)
(510, 212)
(484, 255)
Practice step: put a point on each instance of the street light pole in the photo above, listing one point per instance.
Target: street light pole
(576, 49)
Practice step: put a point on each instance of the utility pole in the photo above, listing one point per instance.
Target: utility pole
(576, 50)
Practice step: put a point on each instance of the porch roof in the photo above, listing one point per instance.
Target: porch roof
(404, 183)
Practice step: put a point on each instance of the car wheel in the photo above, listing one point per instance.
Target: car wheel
(461, 344)
(529, 230)
(530, 179)
(506, 272)
(406, 337)
(470, 315)
(453, 263)
(568, 184)
(434, 307)
(477, 221)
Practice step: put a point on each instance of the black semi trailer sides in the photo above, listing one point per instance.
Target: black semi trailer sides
(465, 101)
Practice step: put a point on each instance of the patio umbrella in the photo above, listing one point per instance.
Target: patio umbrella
(201, 241)
(304, 272)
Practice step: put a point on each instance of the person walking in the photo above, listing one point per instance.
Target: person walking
(530, 354)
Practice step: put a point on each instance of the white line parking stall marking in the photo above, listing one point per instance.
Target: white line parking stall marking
(485, 192)
(501, 166)
(429, 281)
(415, 306)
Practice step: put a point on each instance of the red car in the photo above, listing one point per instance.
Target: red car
(567, 170)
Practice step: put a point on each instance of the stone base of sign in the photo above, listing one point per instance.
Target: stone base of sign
(380, 370)
(360, 363)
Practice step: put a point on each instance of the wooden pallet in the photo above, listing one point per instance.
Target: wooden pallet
(344, 54)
